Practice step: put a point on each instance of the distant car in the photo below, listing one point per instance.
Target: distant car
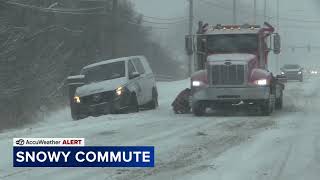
(115, 86)
(292, 72)
(314, 72)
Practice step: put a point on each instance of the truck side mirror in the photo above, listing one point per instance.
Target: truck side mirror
(276, 43)
(204, 44)
(189, 45)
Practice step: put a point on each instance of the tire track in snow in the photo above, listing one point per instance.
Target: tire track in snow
(284, 162)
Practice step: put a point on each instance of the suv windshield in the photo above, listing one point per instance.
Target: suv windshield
(232, 43)
(105, 72)
(291, 66)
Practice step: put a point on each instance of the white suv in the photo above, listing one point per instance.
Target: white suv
(114, 86)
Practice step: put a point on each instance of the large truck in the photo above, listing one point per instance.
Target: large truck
(231, 68)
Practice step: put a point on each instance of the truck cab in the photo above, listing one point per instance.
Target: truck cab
(232, 68)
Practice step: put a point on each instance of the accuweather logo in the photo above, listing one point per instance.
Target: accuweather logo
(20, 142)
(29, 142)
(72, 152)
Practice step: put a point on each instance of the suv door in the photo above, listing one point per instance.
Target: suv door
(135, 83)
(146, 88)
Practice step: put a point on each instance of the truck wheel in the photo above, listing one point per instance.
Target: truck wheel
(198, 109)
(279, 102)
(266, 108)
(134, 106)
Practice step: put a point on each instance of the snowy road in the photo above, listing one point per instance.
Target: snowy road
(284, 146)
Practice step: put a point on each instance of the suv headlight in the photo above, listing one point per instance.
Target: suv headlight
(261, 82)
(77, 99)
(119, 91)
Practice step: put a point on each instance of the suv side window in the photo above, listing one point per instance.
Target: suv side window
(139, 66)
(131, 68)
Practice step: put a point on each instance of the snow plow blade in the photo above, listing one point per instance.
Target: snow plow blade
(181, 103)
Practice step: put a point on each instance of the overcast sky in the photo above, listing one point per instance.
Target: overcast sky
(293, 33)
(162, 8)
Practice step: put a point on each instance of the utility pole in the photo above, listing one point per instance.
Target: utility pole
(114, 37)
(265, 11)
(278, 30)
(234, 12)
(190, 59)
(255, 11)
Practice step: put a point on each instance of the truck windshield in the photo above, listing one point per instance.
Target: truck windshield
(224, 43)
(104, 72)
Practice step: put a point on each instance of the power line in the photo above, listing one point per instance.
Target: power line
(261, 15)
(176, 22)
(80, 12)
(140, 25)
(55, 10)
(164, 19)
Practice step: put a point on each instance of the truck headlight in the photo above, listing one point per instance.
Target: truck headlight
(119, 91)
(261, 82)
(77, 99)
(299, 72)
(196, 83)
(282, 73)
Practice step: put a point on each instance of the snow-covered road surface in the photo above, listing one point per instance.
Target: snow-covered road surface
(284, 146)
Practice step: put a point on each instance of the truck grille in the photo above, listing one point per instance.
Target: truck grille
(98, 98)
(227, 74)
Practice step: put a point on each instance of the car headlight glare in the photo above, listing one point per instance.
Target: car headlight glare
(196, 83)
(77, 99)
(261, 82)
(119, 91)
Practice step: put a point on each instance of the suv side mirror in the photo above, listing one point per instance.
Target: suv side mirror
(189, 45)
(76, 80)
(276, 43)
(134, 75)
(73, 83)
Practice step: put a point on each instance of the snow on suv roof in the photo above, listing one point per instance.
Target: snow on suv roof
(110, 61)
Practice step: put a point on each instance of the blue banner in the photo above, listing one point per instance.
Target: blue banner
(88, 156)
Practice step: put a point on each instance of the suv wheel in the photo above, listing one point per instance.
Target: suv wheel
(134, 106)
(301, 79)
(74, 113)
(154, 102)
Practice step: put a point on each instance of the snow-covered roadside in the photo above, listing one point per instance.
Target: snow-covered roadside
(186, 147)
(290, 151)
